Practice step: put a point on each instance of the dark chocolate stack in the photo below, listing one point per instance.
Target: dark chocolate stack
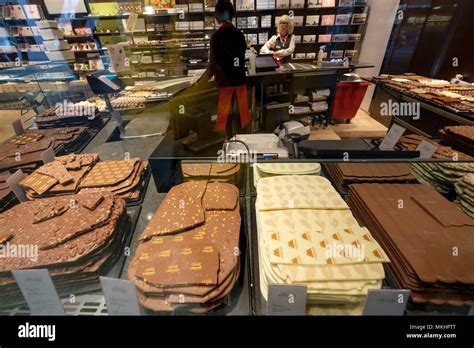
(76, 237)
(345, 174)
(24, 151)
(188, 256)
(52, 118)
(429, 241)
(460, 137)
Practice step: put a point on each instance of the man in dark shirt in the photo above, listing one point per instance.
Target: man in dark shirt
(227, 65)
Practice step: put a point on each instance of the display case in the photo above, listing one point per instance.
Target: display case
(127, 196)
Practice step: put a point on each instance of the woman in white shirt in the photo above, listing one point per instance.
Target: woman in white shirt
(281, 45)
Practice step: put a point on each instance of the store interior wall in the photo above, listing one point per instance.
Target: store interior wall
(379, 27)
(431, 34)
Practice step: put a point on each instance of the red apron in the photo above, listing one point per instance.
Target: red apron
(225, 100)
(224, 104)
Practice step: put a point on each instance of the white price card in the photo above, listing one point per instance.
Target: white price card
(392, 137)
(386, 302)
(471, 312)
(47, 155)
(427, 149)
(18, 127)
(39, 291)
(120, 296)
(287, 299)
(14, 183)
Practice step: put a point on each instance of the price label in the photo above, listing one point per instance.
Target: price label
(120, 296)
(18, 127)
(39, 292)
(47, 155)
(386, 302)
(427, 149)
(287, 299)
(392, 137)
(14, 182)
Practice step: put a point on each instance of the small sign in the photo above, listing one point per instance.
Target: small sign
(47, 155)
(117, 57)
(40, 109)
(14, 182)
(39, 291)
(287, 299)
(471, 312)
(120, 296)
(18, 127)
(131, 22)
(386, 302)
(392, 137)
(427, 149)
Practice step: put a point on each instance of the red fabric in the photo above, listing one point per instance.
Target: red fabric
(225, 24)
(224, 104)
(349, 97)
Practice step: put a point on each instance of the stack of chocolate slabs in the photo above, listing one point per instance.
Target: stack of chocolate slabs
(465, 190)
(188, 257)
(216, 172)
(429, 241)
(266, 170)
(59, 177)
(76, 237)
(460, 137)
(125, 178)
(411, 142)
(441, 175)
(308, 236)
(345, 174)
(52, 118)
(7, 197)
(84, 173)
(24, 151)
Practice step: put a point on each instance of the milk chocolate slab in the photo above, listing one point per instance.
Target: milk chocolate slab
(61, 241)
(180, 210)
(220, 196)
(107, 173)
(178, 260)
(200, 169)
(56, 170)
(159, 261)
